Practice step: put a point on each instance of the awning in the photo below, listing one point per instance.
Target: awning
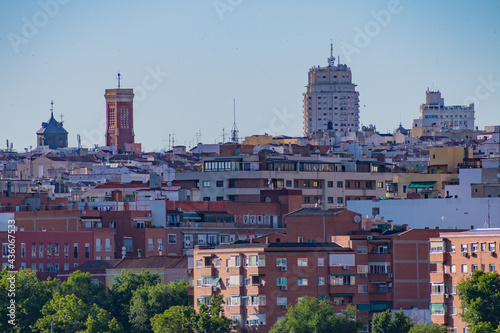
(215, 282)
(364, 307)
(437, 306)
(338, 295)
(421, 184)
(342, 274)
(254, 274)
(379, 282)
(321, 297)
(210, 256)
(378, 306)
(191, 216)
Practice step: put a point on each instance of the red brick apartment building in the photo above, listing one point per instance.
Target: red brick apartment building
(457, 255)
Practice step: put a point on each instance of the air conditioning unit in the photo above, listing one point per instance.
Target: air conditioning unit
(389, 285)
(369, 237)
(491, 253)
(284, 287)
(362, 275)
(283, 268)
(464, 254)
(284, 307)
(469, 254)
(446, 295)
(214, 288)
(389, 275)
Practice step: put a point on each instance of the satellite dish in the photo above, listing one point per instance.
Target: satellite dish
(357, 219)
(377, 217)
(169, 183)
(498, 175)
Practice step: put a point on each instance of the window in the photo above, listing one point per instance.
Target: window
(473, 247)
(219, 183)
(245, 219)
(483, 247)
(379, 268)
(302, 281)
(206, 183)
(437, 288)
(307, 200)
(491, 247)
(252, 219)
(87, 250)
(453, 290)
(40, 267)
(98, 245)
(260, 219)
(280, 262)
(492, 267)
(363, 288)
(259, 261)
(198, 263)
(321, 262)
(66, 267)
(330, 184)
(23, 250)
(302, 262)
(474, 267)
(452, 248)
(206, 198)
(234, 261)
(281, 281)
(75, 253)
(340, 201)
(340, 184)
(362, 269)
(40, 251)
(453, 269)
(321, 281)
(330, 200)
(342, 280)
(380, 184)
(108, 244)
(172, 239)
(464, 268)
(463, 247)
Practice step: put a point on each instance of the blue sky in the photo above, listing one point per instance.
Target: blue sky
(187, 60)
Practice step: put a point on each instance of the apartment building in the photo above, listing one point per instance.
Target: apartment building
(326, 181)
(457, 255)
(331, 102)
(260, 280)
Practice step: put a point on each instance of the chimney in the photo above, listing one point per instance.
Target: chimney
(267, 240)
(251, 240)
(299, 240)
(471, 227)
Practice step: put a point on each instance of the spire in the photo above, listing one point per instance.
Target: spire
(331, 59)
(118, 77)
(52, 108)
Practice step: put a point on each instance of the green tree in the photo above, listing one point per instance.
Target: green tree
(148, 301)
(211, 319)
(383, 322)
(80, 284)
(428, 328)
(63, 314)
(100, 320)
(311, 315)
(480, 295)
(177, 319)
(121, 293)
(30, 296)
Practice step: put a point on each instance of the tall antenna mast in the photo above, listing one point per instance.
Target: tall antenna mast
(331, 59)
(234, 130)
(118, 77)
(52, 108)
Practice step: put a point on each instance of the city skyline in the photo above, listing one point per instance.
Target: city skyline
(187, 63)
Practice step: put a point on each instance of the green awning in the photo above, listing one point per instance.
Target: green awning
(421, 184)
(321, 297)
(210, 256)
(338, 295)
(342, 274)
(379, 306)
(191, 216)
(364, 307)
(215, 282)
(379, 282)
(437, 306)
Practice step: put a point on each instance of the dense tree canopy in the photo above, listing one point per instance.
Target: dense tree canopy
(313, 315)
(384, 322)
(429, 328)
(480, 296)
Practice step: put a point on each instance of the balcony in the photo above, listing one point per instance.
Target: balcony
(437, 256)
(345, 290)
(382, 277)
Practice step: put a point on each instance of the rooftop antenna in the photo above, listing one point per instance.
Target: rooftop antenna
(61, 115)
(234, 130)
(119, 77)
(79, 139)
(338, 59)
(331, 59)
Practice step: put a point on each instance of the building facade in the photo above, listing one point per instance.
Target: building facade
(331, 102)
(457, 255)
(52, 134)
(435, 113)
(119, 117)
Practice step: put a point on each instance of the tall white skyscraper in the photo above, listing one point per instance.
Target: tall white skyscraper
(331, 102)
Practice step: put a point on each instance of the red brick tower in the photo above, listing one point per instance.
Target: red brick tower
(119, 117)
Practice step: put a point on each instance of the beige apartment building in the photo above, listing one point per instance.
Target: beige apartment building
(331, 102)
